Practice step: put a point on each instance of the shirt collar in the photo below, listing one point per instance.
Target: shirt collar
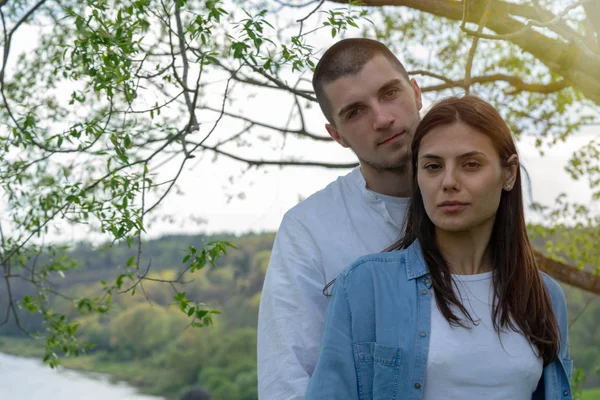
(359, 180)
(373, 200)
(415, 263)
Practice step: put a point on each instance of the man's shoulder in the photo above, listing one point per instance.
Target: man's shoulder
(324, 200)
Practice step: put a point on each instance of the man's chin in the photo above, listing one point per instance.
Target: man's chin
(392, 165)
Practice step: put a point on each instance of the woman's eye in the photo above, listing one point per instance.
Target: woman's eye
(432, 167)
(472, 164)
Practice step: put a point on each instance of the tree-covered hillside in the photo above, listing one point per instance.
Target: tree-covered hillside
(145, 338)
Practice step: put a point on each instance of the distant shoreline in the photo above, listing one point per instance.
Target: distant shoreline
(63, 384)
(84, 365)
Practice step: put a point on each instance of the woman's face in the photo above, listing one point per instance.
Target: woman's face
(461, 177)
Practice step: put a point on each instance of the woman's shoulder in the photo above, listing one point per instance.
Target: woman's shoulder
(554, 289)
(557, 297)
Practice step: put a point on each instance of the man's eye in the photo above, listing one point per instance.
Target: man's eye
(390, 93)
(353, 113)
(432, 167)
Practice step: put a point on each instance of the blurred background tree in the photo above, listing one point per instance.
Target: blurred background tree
(100, 98)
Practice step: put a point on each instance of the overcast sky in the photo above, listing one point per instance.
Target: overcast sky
(269, 193)
(216, 196)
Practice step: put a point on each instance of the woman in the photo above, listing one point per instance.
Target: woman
(459, 309)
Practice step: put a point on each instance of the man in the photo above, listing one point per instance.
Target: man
(372, 107)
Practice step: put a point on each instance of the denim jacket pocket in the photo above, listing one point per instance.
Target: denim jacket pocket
(377, 369)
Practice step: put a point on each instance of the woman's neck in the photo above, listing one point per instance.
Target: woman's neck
(467, 253)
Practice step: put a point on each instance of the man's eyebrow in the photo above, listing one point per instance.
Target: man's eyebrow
(349, 107)
(465, 155)
(392, 82)
(383, 87)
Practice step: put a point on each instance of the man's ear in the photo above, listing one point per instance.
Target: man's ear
(335, 135)
(510, 175)
(417, 90)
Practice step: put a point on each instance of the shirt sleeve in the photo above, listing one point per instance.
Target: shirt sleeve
(335, 375)
(291, 313)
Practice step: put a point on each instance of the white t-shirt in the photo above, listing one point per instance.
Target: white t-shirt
(316, 240)
(396, 207)
(474, 363)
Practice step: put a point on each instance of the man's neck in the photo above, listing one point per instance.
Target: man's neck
(390, 182)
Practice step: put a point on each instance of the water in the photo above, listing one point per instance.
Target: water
(29, 379)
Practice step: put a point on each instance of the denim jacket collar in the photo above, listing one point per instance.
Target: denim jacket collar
(415, 264)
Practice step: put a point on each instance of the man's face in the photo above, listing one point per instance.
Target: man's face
(375, 113)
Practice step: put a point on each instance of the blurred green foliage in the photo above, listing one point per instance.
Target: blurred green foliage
(147, 340)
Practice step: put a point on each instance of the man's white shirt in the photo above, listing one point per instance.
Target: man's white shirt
(316, 240)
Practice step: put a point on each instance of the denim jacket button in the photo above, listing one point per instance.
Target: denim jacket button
(417, 385)
(566, 392)
(422, 334)
(424, 292)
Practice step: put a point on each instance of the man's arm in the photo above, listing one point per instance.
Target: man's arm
(290, 317)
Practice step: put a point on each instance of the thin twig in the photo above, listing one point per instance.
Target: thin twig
(308, 16)
(141, 228)
(193, 123)
(279, 83)
(193, 149)
(527, 25)
(592, 298)
(257, 163)
(254, 82)
(516, 82)
(298, 132)
(473, 49)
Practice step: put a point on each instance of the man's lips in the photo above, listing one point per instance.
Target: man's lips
(391, 138)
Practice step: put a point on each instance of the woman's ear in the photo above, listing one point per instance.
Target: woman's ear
(510, 172)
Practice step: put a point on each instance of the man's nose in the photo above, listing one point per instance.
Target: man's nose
(383, 118)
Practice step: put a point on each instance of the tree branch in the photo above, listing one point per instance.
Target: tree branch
(592, 13)
(8, 38)
(301, 20)
(258, 163)
(298, 132)
(11, 308)
(193, 123)
(280, 86)
(473, 49)
(518, 85)
(581, 279)
(572, 62)
(279, 83)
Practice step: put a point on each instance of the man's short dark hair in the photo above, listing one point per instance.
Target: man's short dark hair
(348, 57)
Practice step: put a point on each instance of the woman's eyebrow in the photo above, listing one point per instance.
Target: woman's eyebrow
(465, 155)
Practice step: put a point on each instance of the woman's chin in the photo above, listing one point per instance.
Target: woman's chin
(453, 226)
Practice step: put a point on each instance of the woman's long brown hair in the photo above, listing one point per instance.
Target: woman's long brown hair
(521, 302)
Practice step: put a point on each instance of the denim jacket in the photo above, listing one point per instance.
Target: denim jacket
(376, 332)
